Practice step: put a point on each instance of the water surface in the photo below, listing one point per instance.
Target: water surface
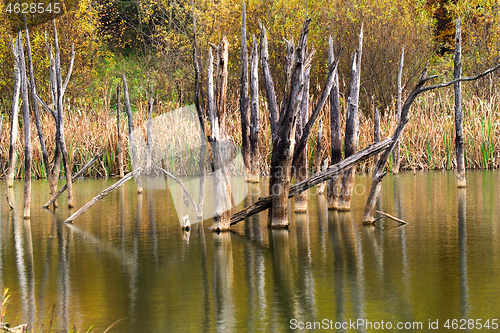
(127, 259)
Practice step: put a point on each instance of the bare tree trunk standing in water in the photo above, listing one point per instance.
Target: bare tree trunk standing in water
(221, 147)
(376, 131)
(459, 128)
(27, 133)
(244, 99)
(351, 128)
(301, 164)
(41, 137)
(14, 118)
(254, 113)
(131, 138)
(336, 139)
(60, 95)
(396, 154)
(119, 131)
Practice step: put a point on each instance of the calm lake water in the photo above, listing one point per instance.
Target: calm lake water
(127, 259)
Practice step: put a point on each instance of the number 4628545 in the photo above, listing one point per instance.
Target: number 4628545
(463, 324)
(33, 8)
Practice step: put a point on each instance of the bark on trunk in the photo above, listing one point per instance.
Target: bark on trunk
(222, 54)
(396, 155)
(368, 214)
(300, 165)
(244, 99)
(459, 128)
(60, 95)
(268, 81)
(27, 133)
(148, 132)
(376, 131)
(254, 130)
(318, 156)
(281, 160)
(351, 128)
(119, 131)
(14, 118)
(131, 138)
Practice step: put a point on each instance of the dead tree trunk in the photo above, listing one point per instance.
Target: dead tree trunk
(221, 147)
(61, 89)
(378, 175)
(244, 99)
(133, 147)
(318, 156)
(14, 118)
(459, 127)
(212, 117)
(335, 131)
(396, 155)
(281, 160)
(254, 107)
(119, 131)
(376, 131)
(301, 163)
(351, 128)
(268, 80)
(41, 137)
(27, 132)
(149, 135)
(266, 202)
(289, 54)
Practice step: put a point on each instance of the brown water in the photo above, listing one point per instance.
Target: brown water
(127, 259)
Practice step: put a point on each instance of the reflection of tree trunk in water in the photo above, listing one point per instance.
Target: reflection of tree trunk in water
(284, 286)
(21, 267)
(336, 238)
(462, 248)
(152, 224)
(204, 271)
(322, 222)
(223, 281)
(134, 271)
(30, 272)
(63, 292)
(306, 283)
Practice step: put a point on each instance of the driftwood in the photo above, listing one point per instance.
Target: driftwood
(265, 202)
(187, 195)
(390, 216)
(75, 177)
(281, 159)
(135, 157)
(119, 131)
(268, 81)
(396, 154)
(244, 97)
(254, 113)
(27, 132)
(335, 131)
(351, 127)
(14, 118)
(459, 127)
(102, 195)
(378, 175)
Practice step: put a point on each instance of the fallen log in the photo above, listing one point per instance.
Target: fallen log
(102, 195)
(265, 202)
(75, 177)
(389, 216)
(186, 192)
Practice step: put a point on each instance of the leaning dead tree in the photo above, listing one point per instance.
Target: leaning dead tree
(219, 141)
(351, 127)
(14, 117)
(378, 175)
(335, 131)
(244, 99)
(266, 202)
(459, 127)
(396, 154)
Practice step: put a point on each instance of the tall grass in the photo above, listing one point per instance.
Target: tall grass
(427, 143)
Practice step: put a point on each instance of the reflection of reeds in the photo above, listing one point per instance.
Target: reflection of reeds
(428, 141)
